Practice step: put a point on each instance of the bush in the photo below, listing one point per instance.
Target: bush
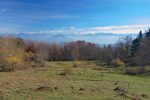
(137, 70)
(117, 62)
(46, 85)
(132, 71)
(76, 63)
(13, 55)
(66, 71)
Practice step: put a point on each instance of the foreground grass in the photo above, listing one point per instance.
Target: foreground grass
(83, 84)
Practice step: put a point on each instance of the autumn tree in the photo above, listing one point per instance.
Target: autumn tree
(54, 52)
(71, 51)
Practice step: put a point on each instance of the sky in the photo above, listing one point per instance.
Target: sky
(74, 16)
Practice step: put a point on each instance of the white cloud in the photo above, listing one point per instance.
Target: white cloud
(125, 29)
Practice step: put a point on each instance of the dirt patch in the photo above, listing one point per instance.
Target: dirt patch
(72, 87)
(63, 74)
(98, 90)
(125, 94)
(144, 95)
(55, 88)
(81, 89)
(120, 90)
(44, 89)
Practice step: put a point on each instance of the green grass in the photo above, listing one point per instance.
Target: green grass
(83, 84)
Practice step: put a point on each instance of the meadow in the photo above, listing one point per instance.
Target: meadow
(86, 80)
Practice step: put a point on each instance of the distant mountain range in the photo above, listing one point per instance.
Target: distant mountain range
(98, 38)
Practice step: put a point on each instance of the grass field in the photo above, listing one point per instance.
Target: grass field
(89, 81)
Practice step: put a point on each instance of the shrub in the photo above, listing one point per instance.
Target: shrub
(135, 70)
(39, 61)
(132, 71)
(31, 48)
(13, 55)
(66, 71)
(9, 64)
(117, 62)
(45, 86)
(76, 63)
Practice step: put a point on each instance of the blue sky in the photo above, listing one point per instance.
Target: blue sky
(74, 16)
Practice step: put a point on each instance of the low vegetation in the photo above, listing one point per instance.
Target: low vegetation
(46, 83)
(117, 63)
(16, 55)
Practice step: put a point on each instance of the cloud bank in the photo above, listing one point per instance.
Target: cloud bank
(124, 29)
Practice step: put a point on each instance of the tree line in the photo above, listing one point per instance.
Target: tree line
(132, 51)
(15, 51)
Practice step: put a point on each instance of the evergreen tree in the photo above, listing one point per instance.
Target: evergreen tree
(136, 43)
(147, 34)
(140, 36)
